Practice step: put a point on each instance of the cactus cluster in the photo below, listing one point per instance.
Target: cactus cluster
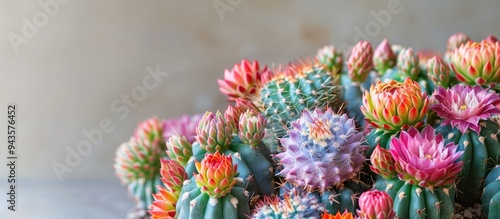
(384, 133)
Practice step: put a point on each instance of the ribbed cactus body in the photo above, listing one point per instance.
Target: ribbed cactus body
(143, 189)
(491, 195)
(293, 204)
(379, 137)
(413, 201)
(254, 167)
(284, 97)
(353, 93)
(193, 203)
(481, 153)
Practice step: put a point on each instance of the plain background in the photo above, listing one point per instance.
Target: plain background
(89, 53)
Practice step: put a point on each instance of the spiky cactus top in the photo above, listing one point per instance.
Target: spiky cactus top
(294, 204)
(306, 85)
(323, 150)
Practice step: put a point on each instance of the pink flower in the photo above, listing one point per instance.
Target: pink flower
(422, 158)
(464, 106)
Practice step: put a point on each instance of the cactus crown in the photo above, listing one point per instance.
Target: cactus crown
(323, 150)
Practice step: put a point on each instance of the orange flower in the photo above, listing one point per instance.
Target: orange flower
(345, 215)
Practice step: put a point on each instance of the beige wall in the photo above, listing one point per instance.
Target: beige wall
(67, 75)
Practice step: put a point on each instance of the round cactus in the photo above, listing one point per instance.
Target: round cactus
(322, 151)
(290, 90)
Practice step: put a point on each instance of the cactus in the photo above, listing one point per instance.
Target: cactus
(465, 113)
(354, 82)
(305, 85)
(477, 63)
(172, 176)
(383, 57)
(215, 191)
(215, 134)
(322, 151)
(342, 198)
(332, 58)
(293, 204)
(137, 162)
(393, 106)
(426, 168)
(413, 201)
(491, 195)
(408, 65)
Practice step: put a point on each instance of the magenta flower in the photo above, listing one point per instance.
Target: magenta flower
(464, 106)
(423, 159)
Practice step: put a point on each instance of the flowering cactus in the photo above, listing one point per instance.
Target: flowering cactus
(423, 158)
(477, 63)
(217, 174)
(214, 132)
(331, 57)
(383, 57)
(438, 71)
(294, 204)
(150, 130)
(242, 80)
(184, 126)
(345, 215)
(382, 163)
(179, 149)
(322, 151)
(252, 125)
(408, 64)
(233, 114)
(395, 106)
(464, 106)
(163, 206)
(375, 205)
(464, 111)
(294, 88)
(137, 164)
(456, 40)
(173, 176)
(360, 61)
